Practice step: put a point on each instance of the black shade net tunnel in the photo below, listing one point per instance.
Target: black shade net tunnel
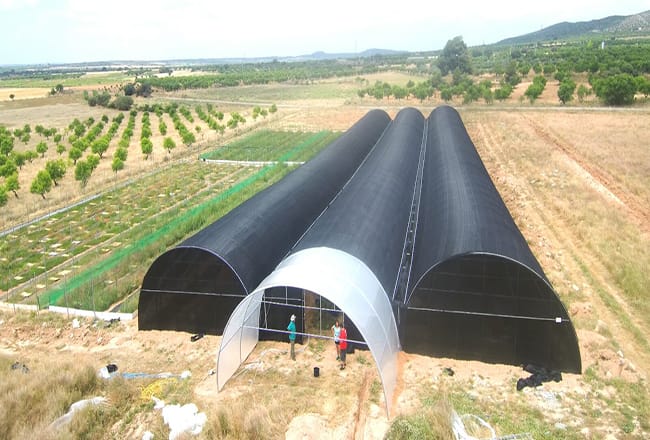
(475, 290)
(350, 256)
(396, 227)
(195, 286)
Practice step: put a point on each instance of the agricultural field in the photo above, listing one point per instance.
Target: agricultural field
(574, 178)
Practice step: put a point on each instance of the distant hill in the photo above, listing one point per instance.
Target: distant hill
(614, 25)
(337, 56)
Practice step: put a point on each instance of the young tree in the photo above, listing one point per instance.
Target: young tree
(188, 137)
(56, 169)
(31, 155)
(6, 141)
(41, 184)
(82, 172)
(19, 159)
(147, 147)
(12, 96)
(60, 148)
(93, 161)
(100, 146)
(399, 92)
(8, 167)
(446, 93)
(503, 92)
(121, 153)
(117, 165)
(74, 154)
(169, 144)
(3, 195)
(12, 184)
(565, 92)
(582, 92)
(536, 88)
(41, 148)
(510, 75)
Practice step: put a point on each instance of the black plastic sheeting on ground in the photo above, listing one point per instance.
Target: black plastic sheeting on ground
(477, 291)
(195, 286)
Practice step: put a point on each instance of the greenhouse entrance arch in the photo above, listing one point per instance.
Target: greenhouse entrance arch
(335, 276)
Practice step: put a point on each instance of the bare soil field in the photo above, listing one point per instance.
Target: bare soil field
(574, 180)
(22, 93)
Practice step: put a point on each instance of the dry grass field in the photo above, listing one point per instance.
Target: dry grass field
(574, 179)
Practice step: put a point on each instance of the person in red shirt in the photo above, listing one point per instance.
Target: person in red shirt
(343, 345)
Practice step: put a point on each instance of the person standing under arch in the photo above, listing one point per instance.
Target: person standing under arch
(292, 336)
(336, 332)
(343, 345)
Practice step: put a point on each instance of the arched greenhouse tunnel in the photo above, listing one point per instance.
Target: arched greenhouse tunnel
(487, 307)
(187, 289)
(476, 291)
(196, 286)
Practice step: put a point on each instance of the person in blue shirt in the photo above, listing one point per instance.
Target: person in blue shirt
(336, 331)
(292, 336)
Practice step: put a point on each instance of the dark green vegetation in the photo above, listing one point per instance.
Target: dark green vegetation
(267, 145)
(228, 75)
(608, 27)
(616, 72)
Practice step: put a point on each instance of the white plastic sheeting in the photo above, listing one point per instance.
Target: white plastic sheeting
(337, 276)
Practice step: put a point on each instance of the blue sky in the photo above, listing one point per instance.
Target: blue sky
(60, 31)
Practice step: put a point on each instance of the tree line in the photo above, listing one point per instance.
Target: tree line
(615, 74)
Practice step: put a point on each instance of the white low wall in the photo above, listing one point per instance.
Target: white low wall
(11, 306)
(106, 316)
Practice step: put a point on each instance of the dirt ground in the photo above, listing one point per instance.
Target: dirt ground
(345, 407)
(532, 154)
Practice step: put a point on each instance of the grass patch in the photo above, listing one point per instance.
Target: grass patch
(431, 422)
(508, 417)
(268, 145)
(375, 391)
(614, 307)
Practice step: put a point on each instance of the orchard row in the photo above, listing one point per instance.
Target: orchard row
(82, 145)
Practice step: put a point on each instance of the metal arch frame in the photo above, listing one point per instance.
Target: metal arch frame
(341, 278)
